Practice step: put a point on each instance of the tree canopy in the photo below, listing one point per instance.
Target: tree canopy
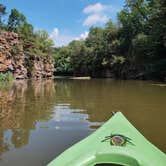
(133, 48)
(16, 19)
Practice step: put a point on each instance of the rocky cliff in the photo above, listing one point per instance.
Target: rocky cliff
(39, 67)
(14, 59)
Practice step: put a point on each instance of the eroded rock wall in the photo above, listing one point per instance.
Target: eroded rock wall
(42, 68)
(14, 59)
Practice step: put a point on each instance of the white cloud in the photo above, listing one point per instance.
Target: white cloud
(95, 18)
(64, 38)
(98, 13)
(54, 34)
(96, 8)
(59, 38)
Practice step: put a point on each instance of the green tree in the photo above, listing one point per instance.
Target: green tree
(141, 32)
(62, 60)
(15, 20)
(96, 42)
(26, 35)
(43, 42)
(157, 35)
(80, 57)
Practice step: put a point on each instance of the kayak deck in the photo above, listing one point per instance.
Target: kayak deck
(98, 149)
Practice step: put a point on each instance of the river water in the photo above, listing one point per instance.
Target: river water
(40, 119)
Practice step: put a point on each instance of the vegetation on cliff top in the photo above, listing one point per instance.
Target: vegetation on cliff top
(36, 43)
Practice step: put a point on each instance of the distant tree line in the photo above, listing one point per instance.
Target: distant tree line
(134, 48)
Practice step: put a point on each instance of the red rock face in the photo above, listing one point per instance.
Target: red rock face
(42, 68)
(8, 61)
(12, 58)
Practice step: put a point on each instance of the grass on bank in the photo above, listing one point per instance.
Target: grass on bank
(6, 77)
(6, 80)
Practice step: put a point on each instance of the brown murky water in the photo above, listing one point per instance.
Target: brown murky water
(40, 119)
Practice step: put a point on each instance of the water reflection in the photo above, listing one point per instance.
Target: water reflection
(44, 117)
(142, 103)
(19, 111)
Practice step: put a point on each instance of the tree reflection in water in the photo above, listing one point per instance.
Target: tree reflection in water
(19, 111)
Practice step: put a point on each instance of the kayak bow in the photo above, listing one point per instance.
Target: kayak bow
(116, 142)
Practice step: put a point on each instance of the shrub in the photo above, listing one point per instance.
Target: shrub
(6, 77)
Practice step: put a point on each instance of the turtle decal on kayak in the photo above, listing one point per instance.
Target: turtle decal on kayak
(117, 139)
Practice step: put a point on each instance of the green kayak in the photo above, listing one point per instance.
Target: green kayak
(117, 142)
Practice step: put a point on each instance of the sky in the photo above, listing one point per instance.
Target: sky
(66, 20)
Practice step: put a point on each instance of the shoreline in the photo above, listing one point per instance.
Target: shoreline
(72, 77)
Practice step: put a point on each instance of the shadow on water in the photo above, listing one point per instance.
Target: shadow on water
(40, 119)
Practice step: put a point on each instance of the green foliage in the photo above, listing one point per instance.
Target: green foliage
(80, 57)
(62, 60)
(142, 29)
(117, 60)
(6, 80)
(95, 41)
(35, 43)
(92, 55)
(26, 35)
(140, 48)
(6, 77)
(15, 20)
(43, 42)
(135, 48)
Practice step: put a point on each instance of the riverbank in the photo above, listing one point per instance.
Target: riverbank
(72, 77)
